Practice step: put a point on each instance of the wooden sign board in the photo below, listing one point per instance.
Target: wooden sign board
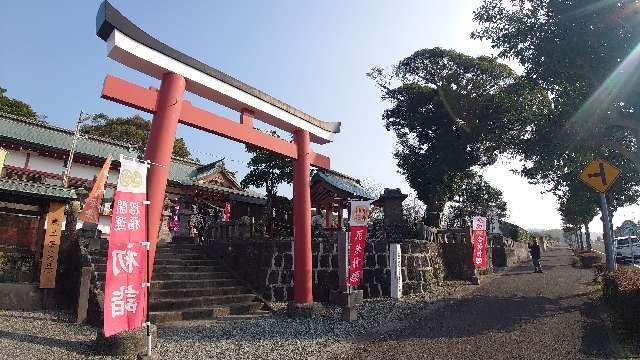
(51, 245)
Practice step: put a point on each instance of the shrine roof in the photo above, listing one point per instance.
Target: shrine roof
(37, 132)
(343, 183)
(43, 135)
(143, 52)
(26, 188)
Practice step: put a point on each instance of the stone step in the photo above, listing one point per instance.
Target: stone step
(192, 284)
(196, 262)
(181, 256)
(160, 317)
(178, 251)
(181, 276)
(188, 293)
(160, 262)
(198, 302)
(157, 269)
(231, 311)
(209, 275)
(102, 254)
(179, 246)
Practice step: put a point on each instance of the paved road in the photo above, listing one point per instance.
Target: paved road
(518, 315)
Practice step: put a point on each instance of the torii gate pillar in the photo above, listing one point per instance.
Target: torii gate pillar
(160, 148)
(302, 267)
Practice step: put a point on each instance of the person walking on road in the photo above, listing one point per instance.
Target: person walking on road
(534, 249)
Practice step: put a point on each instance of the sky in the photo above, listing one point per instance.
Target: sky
(312, 55)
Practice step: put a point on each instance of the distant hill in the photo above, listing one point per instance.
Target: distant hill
(557, 233)
(553, 233)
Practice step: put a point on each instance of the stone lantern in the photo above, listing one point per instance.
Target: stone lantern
(391, 203)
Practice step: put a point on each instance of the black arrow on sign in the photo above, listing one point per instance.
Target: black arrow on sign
(600, 174)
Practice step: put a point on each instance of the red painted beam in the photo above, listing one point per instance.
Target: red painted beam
(137, 97)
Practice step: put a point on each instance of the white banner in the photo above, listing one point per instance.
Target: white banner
(133, 177)
(479, 223)
(359, 212)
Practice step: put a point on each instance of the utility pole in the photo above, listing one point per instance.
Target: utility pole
(606, 234)
(67, 170)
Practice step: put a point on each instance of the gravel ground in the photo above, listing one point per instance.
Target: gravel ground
(519, 315)
(38, 335)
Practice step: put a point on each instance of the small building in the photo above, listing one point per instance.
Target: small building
(331, 192)
(31, 186)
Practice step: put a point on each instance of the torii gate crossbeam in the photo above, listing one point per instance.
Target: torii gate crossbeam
(129, 45)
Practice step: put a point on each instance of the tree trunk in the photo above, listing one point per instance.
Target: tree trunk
(587, 236)
(581, 244)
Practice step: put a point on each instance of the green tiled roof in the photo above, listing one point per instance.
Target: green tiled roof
(20, 187)
(39, 133)
(342, 182)
(245, 195)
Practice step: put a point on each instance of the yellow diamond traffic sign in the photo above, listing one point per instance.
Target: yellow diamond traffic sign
(600, 175)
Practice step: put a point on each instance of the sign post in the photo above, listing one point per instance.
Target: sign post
(395, 264)
(600, 176)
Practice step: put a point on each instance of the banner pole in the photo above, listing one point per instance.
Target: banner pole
(147, 203)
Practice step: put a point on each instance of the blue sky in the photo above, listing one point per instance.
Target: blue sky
(312, 55)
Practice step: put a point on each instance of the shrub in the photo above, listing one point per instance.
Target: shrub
(589, 258)
(622, 294)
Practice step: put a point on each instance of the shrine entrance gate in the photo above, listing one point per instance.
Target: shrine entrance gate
(178, 72)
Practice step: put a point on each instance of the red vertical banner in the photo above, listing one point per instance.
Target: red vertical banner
(479, 238)
(357, 240)
(124, 294)
(227, 211)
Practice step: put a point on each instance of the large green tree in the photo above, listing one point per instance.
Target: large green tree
(585, 55)
(452, 112)
(476, 197)
(577, 207)
(267, 170)
(15, 107)
(133, 130)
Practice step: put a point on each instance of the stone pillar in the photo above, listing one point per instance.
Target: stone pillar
(160, 148)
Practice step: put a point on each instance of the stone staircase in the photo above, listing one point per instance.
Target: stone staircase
(187, 285)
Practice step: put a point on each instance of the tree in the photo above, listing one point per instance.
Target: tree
(475, 198)
(578, 206)
(267, 170)
(15, 107)
(452, 112)
(585, 55)
(133, 130)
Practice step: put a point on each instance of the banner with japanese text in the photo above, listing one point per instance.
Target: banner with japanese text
(479, 238)
(124, 295)
(357, 240)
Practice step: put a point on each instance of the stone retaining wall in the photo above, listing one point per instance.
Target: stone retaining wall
(508, 253)
(268, 266)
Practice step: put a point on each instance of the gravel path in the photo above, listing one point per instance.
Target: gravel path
(39, 335)
(519, 315)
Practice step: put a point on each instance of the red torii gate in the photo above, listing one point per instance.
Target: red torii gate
(129, 45)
